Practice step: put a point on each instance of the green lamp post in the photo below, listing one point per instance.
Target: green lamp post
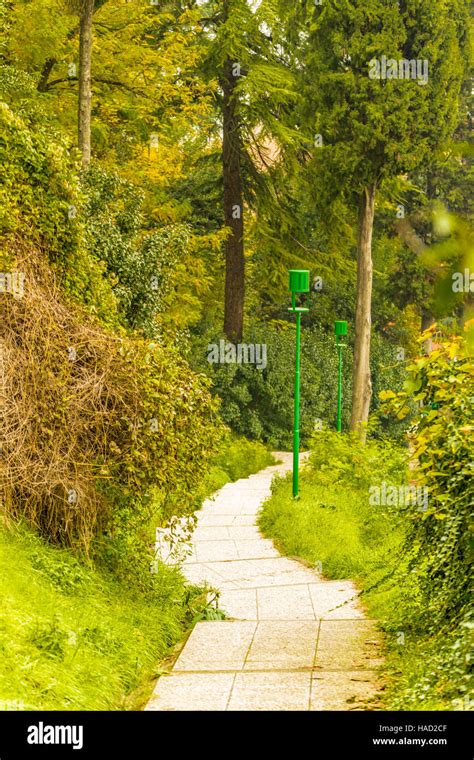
(340, 330)
(299, 283)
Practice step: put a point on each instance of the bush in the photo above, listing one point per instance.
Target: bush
(92, 421)
(140, 264)
(258, 403)
(443, 452)
(39, 203)
(343, 459)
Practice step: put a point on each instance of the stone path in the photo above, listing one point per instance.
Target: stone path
(294, 641)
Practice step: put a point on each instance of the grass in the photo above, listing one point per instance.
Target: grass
(75, 637)
(329, 526)
(333, 526)
(237, 458)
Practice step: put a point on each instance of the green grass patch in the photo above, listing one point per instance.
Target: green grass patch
(237, 458)
(75, 638)
(328, 526)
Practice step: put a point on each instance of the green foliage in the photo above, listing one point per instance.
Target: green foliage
(442, 441)
(39, 200)
(258, 403)
(37, 190)
(246, 34)
(141, 265)
(448, 259)
(18, 91)
(343, 459)
(73, 637)
(376, 128)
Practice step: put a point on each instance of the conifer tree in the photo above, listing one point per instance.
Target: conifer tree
(255, 89)
(382, 92)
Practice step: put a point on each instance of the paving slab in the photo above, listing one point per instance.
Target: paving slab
(192, 691)
(217, 645)
(285, 603)
(343, 690)
(271, 691)
(212, 520)
(244, 532)
(239, 603)
(283, 645)
(335, 599)
(210, 551)
(199, 574)
(211, 533)
(244, 520)
(348, 645)
(256, 549)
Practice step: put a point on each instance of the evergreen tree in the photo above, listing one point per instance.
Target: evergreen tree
(255, 89)
(382, 86)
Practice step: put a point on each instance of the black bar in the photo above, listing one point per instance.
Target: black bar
(138, 735)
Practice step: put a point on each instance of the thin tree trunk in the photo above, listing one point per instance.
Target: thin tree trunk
(50, 63)
(361, 382)
(233, 210)
(85, 91)
(45, 73)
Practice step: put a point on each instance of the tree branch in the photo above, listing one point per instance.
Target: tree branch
(50, 63)
(101, 80)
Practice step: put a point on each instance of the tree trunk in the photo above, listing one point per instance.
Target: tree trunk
(233, 209)
(50, 63)
(361, 383)
(45, 72)
(85, 92)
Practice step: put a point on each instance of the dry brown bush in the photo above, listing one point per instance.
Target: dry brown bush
(63, 381)
(72, 397)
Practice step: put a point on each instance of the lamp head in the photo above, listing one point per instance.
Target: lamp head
(340, 329)
(299, 280)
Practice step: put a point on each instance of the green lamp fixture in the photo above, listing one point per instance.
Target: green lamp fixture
(340, 331)
(299, 283)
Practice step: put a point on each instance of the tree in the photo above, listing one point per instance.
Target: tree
(233, 204)
(385, 83)
(255, 89)
(85, 89)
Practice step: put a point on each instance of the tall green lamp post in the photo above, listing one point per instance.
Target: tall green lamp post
(340, 329)
(299, 283)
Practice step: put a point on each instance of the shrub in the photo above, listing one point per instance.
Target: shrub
(343, 459)
(442, 443)
(93, 421)
(39, 203)
(258, 403)
(140, 264)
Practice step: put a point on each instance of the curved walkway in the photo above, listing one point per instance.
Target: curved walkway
(292, 640)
